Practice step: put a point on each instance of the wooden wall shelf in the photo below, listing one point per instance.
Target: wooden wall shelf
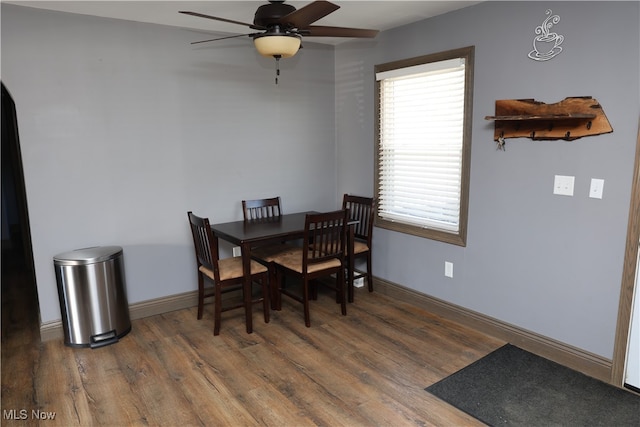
(569, 119)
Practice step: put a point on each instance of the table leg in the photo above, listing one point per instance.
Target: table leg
(246, 286)
(273, 287)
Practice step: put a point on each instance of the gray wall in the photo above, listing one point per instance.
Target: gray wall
(125, 127)
(550, 264)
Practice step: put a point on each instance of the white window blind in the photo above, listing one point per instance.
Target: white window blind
(420, 144)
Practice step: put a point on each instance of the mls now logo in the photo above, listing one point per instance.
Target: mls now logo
(15, 414)
(23, 414)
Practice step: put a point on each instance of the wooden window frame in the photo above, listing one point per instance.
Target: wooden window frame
(460, 236)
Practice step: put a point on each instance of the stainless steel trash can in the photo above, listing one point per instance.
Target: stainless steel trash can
(93, 299)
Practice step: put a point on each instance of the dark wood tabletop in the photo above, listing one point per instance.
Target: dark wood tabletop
(284, 227)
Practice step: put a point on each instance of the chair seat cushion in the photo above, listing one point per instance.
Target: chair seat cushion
(231, 268)
(360, 247)
(269, 253)
(293, 261)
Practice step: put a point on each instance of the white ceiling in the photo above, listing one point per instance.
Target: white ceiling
(379, 15)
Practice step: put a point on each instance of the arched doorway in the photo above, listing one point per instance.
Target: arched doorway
(20, 308)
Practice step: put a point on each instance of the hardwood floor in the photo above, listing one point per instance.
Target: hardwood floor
(368, 368)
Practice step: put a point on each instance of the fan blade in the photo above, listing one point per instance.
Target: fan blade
(223, 38)
(320, 31)
(200, 15)
(309, 14)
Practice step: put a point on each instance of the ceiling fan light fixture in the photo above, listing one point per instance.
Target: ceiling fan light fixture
(282, 46)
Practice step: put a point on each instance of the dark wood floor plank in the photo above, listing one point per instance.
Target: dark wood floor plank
(368, 368)
(59, 386)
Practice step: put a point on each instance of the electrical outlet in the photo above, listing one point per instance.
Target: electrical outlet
(563, 185)
(237, 251)
(448, 269)
(357, 283)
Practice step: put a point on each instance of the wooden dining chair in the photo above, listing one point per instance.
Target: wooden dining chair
(321, 254)
(225, 275)
(362, 210)
(261, 208)
(265, 209)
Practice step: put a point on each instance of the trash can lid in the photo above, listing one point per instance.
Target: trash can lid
(88, 255)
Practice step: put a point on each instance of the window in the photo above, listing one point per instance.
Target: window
(423, 129)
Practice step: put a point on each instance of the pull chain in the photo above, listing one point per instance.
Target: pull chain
(277, 66)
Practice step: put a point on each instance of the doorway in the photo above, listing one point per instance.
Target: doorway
(630, 269)
(632, 366)
(20, 308)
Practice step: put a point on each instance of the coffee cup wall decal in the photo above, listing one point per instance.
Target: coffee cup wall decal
(546, 44)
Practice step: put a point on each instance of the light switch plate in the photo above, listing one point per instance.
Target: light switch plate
(448, 269)
(597, 187)
(563, 185)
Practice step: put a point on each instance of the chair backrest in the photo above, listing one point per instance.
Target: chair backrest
(261, 208)
(205, 243)
(324, 237)
(363, 210)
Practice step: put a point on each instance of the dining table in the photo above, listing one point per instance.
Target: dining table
(251, 234)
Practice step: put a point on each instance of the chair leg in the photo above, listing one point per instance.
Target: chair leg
(200, 295)
(350, 290)
(273, 285)
(278, 293)
(350, 267)
(266, 289)
(217, 312)
(305, 301)
(369, 272)
(341, 294)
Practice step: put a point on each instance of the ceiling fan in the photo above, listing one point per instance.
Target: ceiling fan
(281, 27)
